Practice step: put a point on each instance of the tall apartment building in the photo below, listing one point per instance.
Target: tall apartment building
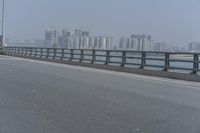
(85, 42)
(78, 32)
(96, 42)
(102, 42)
(124, 43)
(136, 42)
(52, 38)
(91, 42)
(141, 42)
(160, 46)
(109, 43)
(194, 47)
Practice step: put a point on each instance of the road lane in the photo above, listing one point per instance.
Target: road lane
(48, 97)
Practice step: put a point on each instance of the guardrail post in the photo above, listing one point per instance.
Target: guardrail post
(62, 53)
(167, 62)
(143, 60)
(7, 51)
(93, 56)
(35, 52)
(71, 55)
(15, 51)
(21, 51)
(30, 52)
(26, 52)
(81, 55)
(3, 50)
(123, 58)
(47, 54)
(195, 64)
(18, 51)
(107, 57)
(54, 53)
(11, 51)
(41, 52)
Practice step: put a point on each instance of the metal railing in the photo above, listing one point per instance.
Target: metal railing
(163, 61)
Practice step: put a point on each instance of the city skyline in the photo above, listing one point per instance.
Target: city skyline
(173, 21)
(83, 39)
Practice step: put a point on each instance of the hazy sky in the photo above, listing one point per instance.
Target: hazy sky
(173, 21)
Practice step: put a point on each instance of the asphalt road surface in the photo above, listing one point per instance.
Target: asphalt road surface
(42, 97)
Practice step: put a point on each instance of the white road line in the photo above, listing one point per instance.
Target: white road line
(190, 84)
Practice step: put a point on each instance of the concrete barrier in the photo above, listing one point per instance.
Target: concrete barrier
(172, 75)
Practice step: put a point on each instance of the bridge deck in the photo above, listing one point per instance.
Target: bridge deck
(41, 97)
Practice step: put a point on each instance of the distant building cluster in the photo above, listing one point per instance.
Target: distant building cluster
(81, 39)
(194, 47)
(160, 46)
(78, 39)
(141, 43)
(136, 42)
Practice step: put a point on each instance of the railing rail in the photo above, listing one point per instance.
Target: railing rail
(166, 61)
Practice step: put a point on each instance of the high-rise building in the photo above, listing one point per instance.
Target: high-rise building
(76, 44)
(91, 42)
(48, 38)
(160, 46)
(141, 42)
(136, 42)
(194, 47)
(63, 39)
(96, 42)
(85, 42)
(51, 38)
(66, 39)
(108, 43)
(55, 39)
(85, 33)
(78, 32)
(70, 42)
(123, 43)
(102, 42)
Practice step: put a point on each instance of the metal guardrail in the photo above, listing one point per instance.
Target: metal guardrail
(166, 61)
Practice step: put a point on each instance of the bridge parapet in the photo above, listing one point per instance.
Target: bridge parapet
(160, 61)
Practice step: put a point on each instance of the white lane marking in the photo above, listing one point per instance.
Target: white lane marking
(161, 80)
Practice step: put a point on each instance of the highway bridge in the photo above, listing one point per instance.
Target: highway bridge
(45, 97)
